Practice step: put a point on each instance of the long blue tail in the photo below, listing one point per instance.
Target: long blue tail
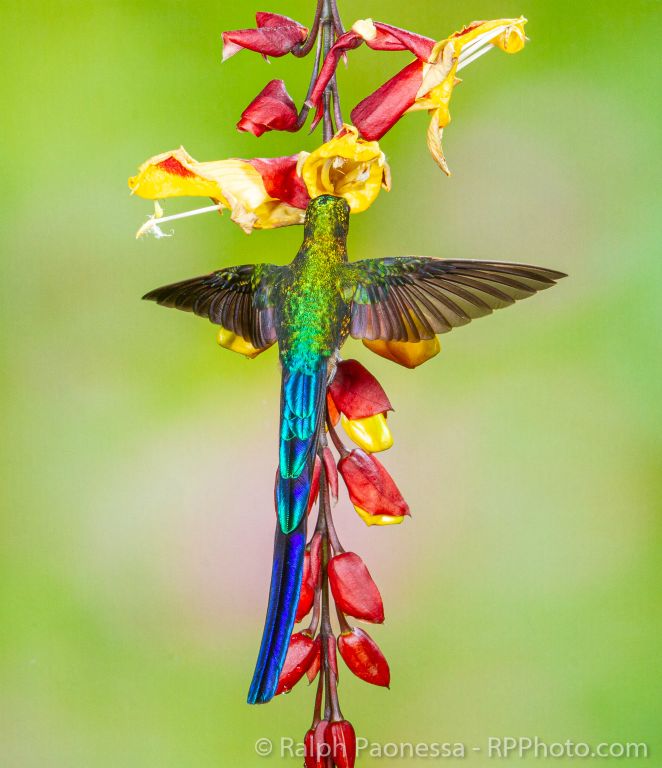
(301, 418)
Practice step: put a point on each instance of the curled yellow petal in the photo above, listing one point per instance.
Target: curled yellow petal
(235, 343)
(346, 166)
(369, 519)
(235, 184)
(411, 354)
(434, 144)
(372, 433)
(512, 39)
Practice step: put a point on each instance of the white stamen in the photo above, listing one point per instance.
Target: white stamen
(465, 62)
(152, 227)
(481, 40)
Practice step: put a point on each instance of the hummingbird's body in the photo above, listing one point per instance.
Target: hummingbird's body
(309, 308)
(312, 320)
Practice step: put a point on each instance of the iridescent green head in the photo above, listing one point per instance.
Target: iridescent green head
(327, 216)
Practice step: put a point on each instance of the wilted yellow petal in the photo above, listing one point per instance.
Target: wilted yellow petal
(236, 343)
(372, 434)
(411, 354)
(369, 519)
(346, 166)
(434, 144)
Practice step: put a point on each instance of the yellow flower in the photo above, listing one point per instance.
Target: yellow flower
(264, 193)
(348, 167)
(448, 58)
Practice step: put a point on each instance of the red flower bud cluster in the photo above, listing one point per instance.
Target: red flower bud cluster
(330, 744)
(332, 574)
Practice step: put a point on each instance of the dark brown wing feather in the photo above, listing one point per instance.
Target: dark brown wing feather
(238, 298)
(411, 298)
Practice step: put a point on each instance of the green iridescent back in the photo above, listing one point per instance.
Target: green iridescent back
(312, 314)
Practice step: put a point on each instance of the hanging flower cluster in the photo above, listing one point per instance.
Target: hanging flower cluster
(266, 193)
(356, 398)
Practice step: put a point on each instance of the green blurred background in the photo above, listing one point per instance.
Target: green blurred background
(523, 598)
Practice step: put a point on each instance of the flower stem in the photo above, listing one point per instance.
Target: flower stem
(332, 706)
(326, 28)
(307, 46)
(337, 442)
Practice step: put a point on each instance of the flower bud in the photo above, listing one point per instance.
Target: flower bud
(299, 657)
(371, 488)
(341, 739)
(331, 473)
(331, 657)
(316, 750)
(314, 484)
(334, 415)
(372, 434)
(353, 588)
(356, 392)
(316, 663)
(362, 655)
(311, 572)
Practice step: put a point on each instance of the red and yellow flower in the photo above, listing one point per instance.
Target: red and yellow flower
(265, 193)
(427, 83)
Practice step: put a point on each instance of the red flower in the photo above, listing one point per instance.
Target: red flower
(316, 663)
(379, 37)
(299, 657)
(362, 655)
(315, 746)
(311, 573)
(275, 35)
(280, 179)
(331, 656)
(381, 110)
(341, 739)
(331, 472)
(356, 392)
(314, 484)
(370, 486)
(353, 588)
(271, 110)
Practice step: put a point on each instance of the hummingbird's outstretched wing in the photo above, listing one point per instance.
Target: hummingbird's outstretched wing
(412, 298)
(238, 298)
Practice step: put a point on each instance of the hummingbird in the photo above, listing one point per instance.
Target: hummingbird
(309, 308)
